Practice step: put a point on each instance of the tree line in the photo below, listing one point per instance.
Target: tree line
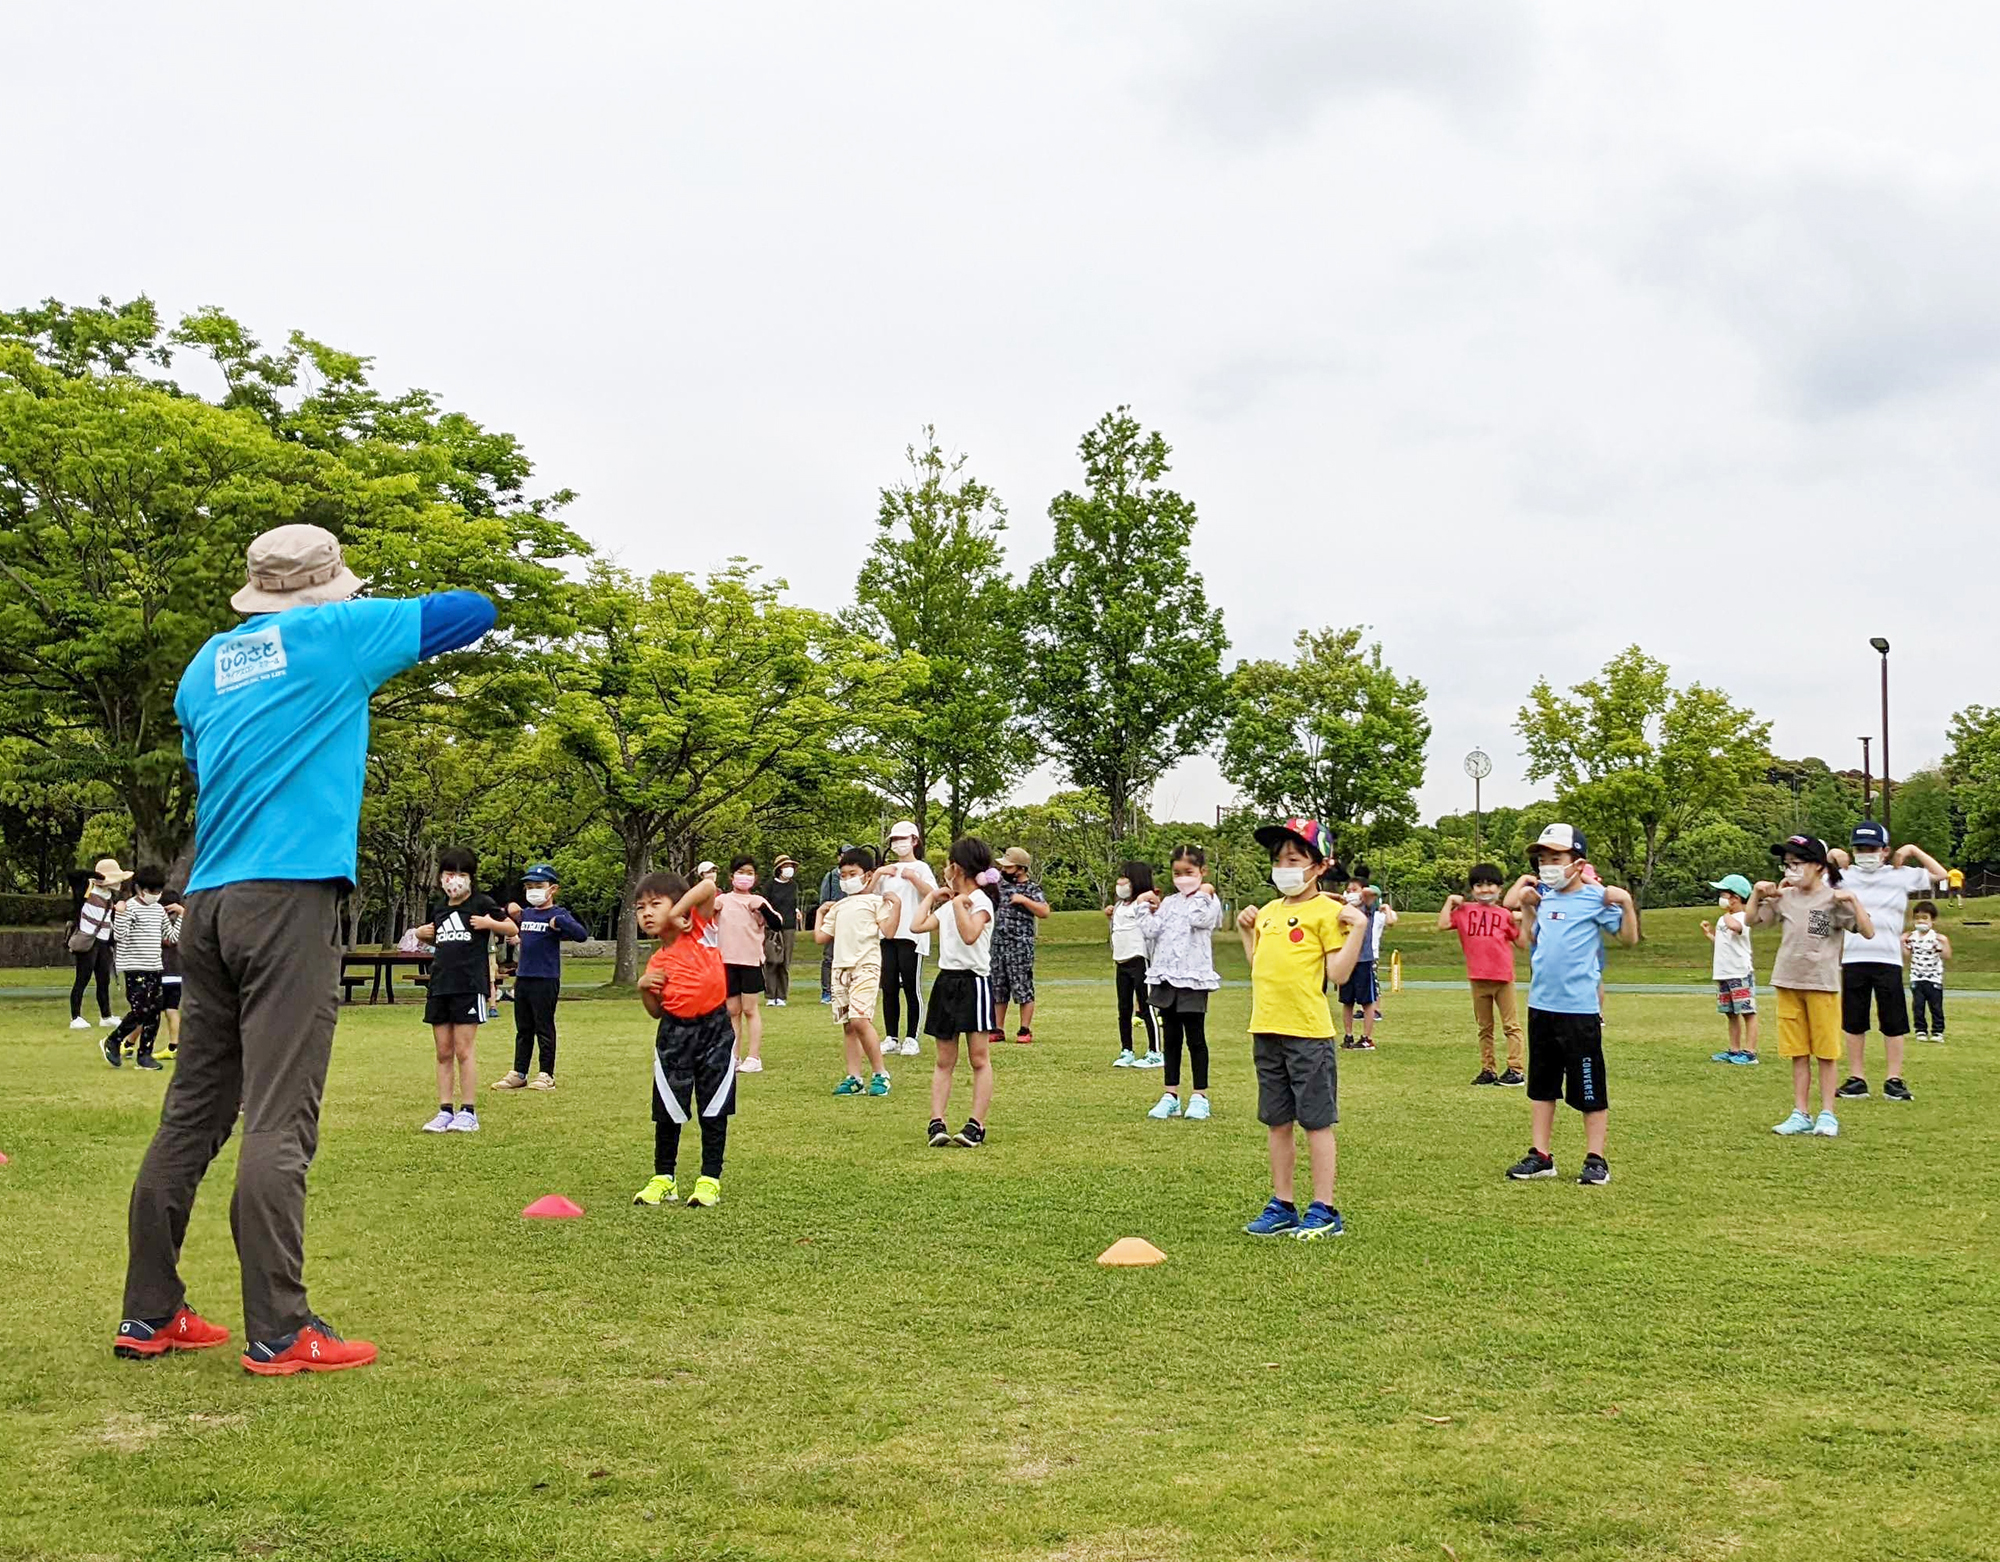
(619, 721)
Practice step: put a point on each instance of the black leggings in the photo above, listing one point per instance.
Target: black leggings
(1132, 995)
(899, 981)
(95, 961)
(1193, 1028)
(535, 1021)
(667, 1145)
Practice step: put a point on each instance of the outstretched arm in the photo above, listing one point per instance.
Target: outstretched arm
(1932, 866)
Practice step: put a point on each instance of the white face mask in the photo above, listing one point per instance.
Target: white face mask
(539, 895)
(1867, 859)
(743, 883)
(903, 847)
(1486, 894)
(1288, 881)
(1123, 891)
(1795, 873)
(1553, 874)
(784, 875)
(149, 897)
(850, 883)
(1923, 924)
(1187, 883)
(1722, 901)
(1352, 897)
(456, 884)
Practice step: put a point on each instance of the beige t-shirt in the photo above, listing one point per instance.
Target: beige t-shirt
(1810, 947)
(857, 922)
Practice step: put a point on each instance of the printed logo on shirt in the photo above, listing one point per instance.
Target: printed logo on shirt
(452, 930)
(1819, 924)
(249, 658)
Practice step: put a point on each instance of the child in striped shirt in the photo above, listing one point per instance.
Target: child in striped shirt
(142, 927)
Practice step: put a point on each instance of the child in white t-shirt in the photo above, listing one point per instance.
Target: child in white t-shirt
(1734, 970)
(1128, 961)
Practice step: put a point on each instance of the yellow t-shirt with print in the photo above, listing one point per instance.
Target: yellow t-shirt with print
(1288, 972)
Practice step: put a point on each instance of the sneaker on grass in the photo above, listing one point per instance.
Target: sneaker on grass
(147, 1060)
(1513, 1077)
(1153, 1059)
(1273, 1221)
(1853, 1088)
(1320, 1220)
(1724, 1057)
(140, 1338)
(1532, 1167)
(1896, 1090)
(1745, 1060)
(658, 1190)
(750, 1066)
(937, 1134)
(909, 1049)
(1197, 1108)
(111, 1053)
(878, 1084)
(1125, 1059)
(512, 1080)
(1169, 1105)
(850, 1086)
(1596, 1173)
(465, 1121)
(315, 1348)
(79, 1023)
(971, 1136)
(441, 1123)
(543, 1081)
(1486, 1076)
(1826, 1126)
(707, 1193)
(1797, 1123)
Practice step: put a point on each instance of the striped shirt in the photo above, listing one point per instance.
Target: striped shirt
(141, 930)
(94, 918)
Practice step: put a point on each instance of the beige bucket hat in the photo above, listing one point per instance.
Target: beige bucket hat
(107, 869)
(294, 566)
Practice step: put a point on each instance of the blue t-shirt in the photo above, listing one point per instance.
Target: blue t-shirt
(1569, 949)
(543, 929)
(274, 726)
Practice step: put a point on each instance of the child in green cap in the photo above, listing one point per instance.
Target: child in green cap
(1735, 974)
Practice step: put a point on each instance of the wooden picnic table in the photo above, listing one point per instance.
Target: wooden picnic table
(382, 964)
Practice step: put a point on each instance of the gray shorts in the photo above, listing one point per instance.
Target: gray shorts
(1296, 1081)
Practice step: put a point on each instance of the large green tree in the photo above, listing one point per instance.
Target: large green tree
(934, 586)
(126, 502)
(680, 704)
(1637, 763)
(1333, 735)
(1973, 769)
(1124, 653)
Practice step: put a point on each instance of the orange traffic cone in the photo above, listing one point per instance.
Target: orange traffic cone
(1131, 1253)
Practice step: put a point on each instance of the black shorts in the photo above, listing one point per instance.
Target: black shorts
(1360, 986)
(694, 1067)
(1885, 983)
(170, 993)
(1566, 1059)
(456, 1009)
(740, 979)
(1297, 1081)
(961, 1005)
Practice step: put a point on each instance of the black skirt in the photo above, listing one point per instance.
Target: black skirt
(961, 1005)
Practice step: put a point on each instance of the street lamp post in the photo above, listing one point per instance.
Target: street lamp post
(1867, 780)
(1882, 645)
(1479, 767)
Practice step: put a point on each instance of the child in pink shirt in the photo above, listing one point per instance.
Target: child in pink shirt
(741, 916)
(1487, 932)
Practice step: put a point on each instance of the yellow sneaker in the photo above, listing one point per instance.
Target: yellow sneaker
(707, 1193)
(657, 1192)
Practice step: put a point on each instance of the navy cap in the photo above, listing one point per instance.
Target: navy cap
(540, 873)
(1872, 835)
(1807, 848)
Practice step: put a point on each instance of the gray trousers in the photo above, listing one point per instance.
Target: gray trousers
(778, 963)
(261, 981)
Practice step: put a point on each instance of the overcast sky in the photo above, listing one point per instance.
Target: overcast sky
(1517, 332)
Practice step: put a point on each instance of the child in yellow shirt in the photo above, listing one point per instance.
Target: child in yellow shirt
(1299, 945)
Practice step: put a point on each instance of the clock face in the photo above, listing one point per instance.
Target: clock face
(1478, 766)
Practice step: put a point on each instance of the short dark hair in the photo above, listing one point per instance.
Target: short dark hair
(1139, 875)
(1485, 873)
(1924, 908)
(458, 859)
(742, 860)
(858, 857)
(660, 886)
(151, 876)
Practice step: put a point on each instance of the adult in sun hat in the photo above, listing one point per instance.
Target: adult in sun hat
(91, 939)
(1022, 906)
(781, 890)
(274, 728)
(1871, 968)
(906, 875)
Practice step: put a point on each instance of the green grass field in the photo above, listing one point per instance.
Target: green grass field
(1745, 1346)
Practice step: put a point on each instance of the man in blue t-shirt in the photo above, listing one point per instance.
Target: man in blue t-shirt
(1569, 915)
(274, 727)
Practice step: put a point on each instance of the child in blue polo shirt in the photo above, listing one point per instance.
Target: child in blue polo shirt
(1568, 914)
(538, 984)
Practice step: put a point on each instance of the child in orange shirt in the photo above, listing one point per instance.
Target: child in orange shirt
(694, 1053)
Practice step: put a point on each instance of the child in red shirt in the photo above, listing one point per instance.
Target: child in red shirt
(1487, 932)
(694, 1054)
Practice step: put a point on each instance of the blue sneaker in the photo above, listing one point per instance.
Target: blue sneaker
(1169, 1105)
(1797, 1123)
(878, 1085)
(1320, 1221)
(849, 1086)
(1197, 1109)
(1724, 1057)
(1275, 1221)
(1745, 1059)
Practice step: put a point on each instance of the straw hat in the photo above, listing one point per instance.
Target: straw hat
(107, 869)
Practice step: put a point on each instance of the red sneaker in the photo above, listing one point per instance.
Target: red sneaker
(186, 1330)
(315, 1348)
(1024, 1037)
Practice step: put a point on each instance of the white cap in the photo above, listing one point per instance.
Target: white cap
(1557, 838)
(903, 827)
(701, 868)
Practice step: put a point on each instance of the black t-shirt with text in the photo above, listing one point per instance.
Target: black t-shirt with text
(460, 966)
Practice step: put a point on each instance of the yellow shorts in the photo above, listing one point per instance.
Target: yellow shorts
(854, 990)
(1808, 1024)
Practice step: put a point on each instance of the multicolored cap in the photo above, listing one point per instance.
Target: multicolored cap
(1309, 833)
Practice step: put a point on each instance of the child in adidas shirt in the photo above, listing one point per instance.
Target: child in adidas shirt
(694, 1050)
(460, 996)
(1928, 949)
(1734, 970)
(142, 928)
